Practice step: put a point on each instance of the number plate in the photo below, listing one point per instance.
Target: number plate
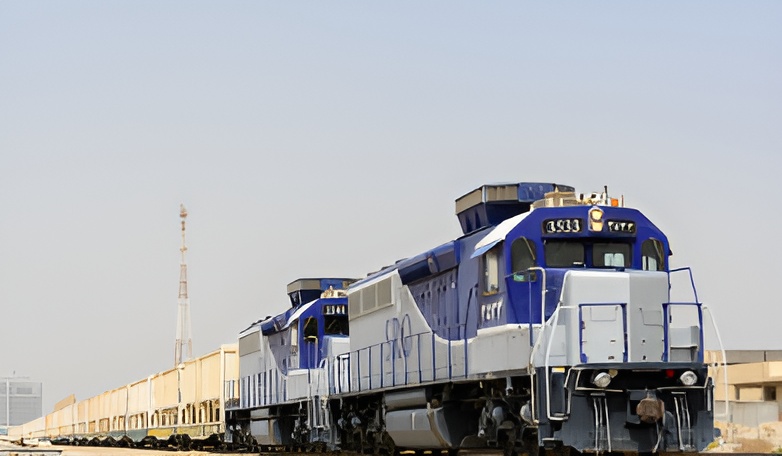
(621, 226)
(568, 225)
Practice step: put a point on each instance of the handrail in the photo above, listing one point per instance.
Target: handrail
(555, 320)
(407, 340)
(692, 281)
(546, 365)
(725, 369)
(666, 328)
(543, 291)
(531, 369)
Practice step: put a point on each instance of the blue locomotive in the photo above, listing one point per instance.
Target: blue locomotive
(284, 380)
(548, 324)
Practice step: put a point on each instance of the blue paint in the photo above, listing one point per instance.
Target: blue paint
(459, 311)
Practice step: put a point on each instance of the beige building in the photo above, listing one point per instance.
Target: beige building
(751, 383)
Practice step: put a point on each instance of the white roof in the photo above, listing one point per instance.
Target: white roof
(498, 233)
(298, 313)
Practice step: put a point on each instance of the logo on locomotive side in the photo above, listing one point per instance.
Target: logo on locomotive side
(398, 334)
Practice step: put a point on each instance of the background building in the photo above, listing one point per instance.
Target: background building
(751, 383)
(20, 402)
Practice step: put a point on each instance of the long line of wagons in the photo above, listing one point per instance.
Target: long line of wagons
(549, 324)
(182, 408)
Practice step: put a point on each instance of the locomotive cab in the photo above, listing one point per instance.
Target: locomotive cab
(590, 281)
(318, 329)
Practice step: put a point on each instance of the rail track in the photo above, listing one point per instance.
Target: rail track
(91, 448)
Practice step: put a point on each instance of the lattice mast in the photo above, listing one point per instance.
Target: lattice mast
(183, 349)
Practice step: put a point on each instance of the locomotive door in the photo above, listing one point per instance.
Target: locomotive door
(602, 332)
(525, 283)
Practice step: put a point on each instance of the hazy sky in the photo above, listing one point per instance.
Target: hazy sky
(331, 138)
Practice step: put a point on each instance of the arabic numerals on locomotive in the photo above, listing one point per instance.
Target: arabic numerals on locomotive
(491, 311)
(621, 226)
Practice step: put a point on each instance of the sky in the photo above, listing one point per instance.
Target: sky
(312, 139)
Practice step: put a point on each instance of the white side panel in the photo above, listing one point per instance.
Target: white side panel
(499, 349)
(607, 316)
(648, 290)
(602, 333)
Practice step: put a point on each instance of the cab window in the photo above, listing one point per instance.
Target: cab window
(491, 271)
(652, 255)
(310, 329)
(563, 254)
(336, 325)
(611, 255)
(522, 253)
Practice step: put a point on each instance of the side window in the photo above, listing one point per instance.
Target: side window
(652, 255)
(523, 255)
(491, 271)
(311, 329)
(562, 254)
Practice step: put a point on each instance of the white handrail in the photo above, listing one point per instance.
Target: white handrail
(543, 292)
(555, 320)
(725, 369)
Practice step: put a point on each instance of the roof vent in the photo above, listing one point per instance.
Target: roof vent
(490, 204)
(557, 199)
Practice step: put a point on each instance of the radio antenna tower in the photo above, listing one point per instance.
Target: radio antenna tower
(184, 342)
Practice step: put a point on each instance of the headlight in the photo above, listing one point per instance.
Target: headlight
(601, 379)
(688, 378)
(595, 219)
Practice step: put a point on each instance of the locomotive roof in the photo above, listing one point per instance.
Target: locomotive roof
(490, 204)
(447, 255)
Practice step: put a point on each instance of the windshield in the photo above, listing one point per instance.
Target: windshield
(336, 325)
(569, 254)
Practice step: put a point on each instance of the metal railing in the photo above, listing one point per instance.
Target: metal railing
(414, 359)
(409, 360)
(667, 320)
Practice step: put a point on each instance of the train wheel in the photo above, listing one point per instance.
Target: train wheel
(386, 445)
(561, 451)
(187, 442)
